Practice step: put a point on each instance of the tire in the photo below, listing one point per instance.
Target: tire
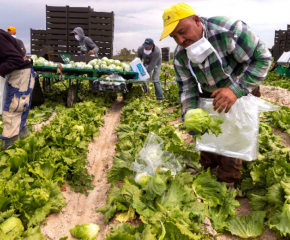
(71, 99)
(129, 86)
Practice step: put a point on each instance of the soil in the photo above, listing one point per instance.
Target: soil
(276, 95)
(167, 65)
(285, 137)
(38, 127)
(81, 209)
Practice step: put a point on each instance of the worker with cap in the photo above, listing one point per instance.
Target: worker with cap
(12, 31)
(218, 58)
(86, 43)
(19, 74)
(151, 56)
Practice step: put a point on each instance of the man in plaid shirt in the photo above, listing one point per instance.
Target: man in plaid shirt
(203, 45)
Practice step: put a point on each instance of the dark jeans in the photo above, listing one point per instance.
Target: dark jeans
(228, 169)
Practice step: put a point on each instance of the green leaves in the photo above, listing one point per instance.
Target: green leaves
(200, 121)
(280, 223)
(250, 226)
(209, 189)
(33, 169)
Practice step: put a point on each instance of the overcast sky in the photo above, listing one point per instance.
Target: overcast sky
(137, 20)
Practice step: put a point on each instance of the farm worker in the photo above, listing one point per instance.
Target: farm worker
(151, 56)
(12, 31)
(20, 76)
(87, 45)
(216, 58)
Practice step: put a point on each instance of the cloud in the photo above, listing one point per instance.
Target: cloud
(137, 20)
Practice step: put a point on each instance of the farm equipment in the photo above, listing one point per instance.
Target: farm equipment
(52, 75)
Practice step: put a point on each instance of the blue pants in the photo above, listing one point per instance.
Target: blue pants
(155, 74)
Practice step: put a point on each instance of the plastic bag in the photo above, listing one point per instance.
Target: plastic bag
(151, 157)
(240, 130)
(114, 76)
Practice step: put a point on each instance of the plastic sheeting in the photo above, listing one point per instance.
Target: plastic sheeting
(240, 130)
(151, 157)
(284, 59)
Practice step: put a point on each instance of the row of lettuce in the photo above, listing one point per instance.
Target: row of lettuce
(169, 207)
(277, 80)
(32, 170)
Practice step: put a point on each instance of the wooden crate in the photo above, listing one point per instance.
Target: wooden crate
(101, 30)
(38, 40)
(61, 21)
(165, 54)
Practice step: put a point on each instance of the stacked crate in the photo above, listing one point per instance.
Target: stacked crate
(101, 30)
(288, 39)
(165, 54)
(56, 29)
(61, 21)
(281, 43)
(38, 39)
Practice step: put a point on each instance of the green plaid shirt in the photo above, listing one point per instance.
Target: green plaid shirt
(244, 56)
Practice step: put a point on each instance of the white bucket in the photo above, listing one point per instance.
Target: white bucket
(138, 67)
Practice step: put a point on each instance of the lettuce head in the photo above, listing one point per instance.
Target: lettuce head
(87, 231)
(200, 121)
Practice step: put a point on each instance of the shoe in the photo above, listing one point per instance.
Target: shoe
(213, 171)
(159, 100)
(9, 142)
(24, 132)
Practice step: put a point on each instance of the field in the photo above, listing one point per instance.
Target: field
(78, 160)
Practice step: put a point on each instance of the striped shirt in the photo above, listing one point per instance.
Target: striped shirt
(244, 57)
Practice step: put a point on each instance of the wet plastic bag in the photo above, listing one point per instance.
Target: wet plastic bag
(114, 76)
(151, 157)
(240, 130)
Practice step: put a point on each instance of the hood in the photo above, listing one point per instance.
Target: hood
(80, 32)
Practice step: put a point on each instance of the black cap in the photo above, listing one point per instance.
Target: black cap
(148, 42)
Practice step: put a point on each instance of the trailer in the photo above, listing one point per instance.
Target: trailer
(52, 75)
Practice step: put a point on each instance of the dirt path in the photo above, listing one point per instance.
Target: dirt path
(81, 209)
(38, 127)
(276, 95)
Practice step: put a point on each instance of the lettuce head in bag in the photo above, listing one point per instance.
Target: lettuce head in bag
(200, 121)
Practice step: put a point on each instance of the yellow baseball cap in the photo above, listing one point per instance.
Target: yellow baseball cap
(172, 15)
